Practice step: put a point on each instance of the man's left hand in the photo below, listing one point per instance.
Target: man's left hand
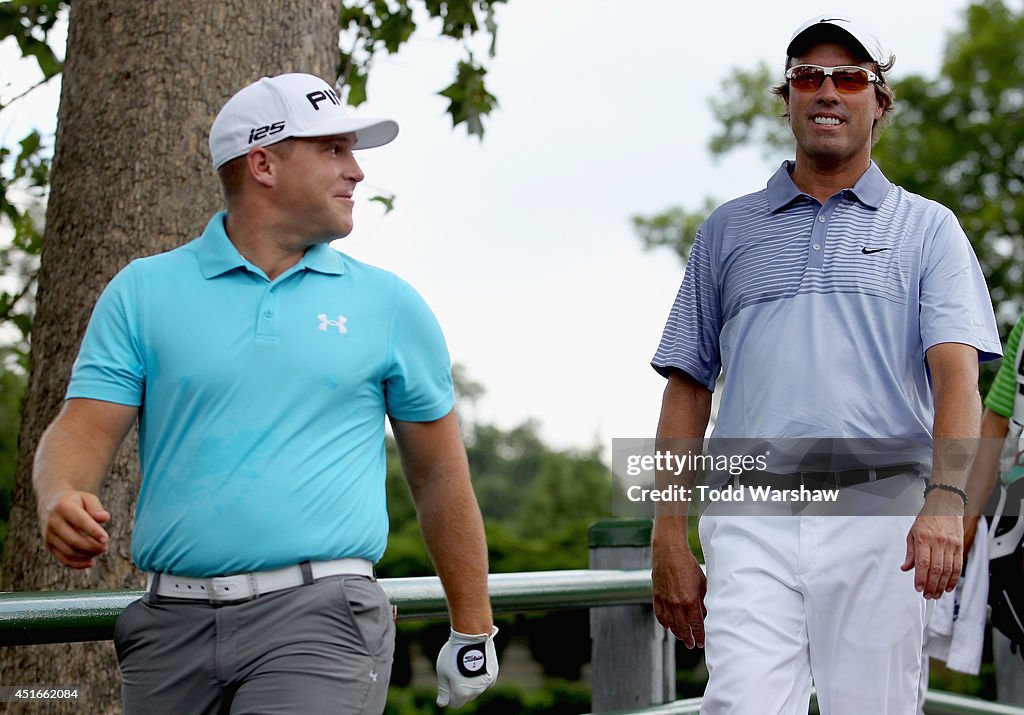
(466, 666)
(935, 545)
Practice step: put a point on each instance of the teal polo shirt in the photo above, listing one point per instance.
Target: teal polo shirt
(262, 403)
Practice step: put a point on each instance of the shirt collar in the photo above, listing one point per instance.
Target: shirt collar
(323, 259)
(217, 255)
(871, 188)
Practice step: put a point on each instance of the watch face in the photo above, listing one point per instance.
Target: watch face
(471, 660)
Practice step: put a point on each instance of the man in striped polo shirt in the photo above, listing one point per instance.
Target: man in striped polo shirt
(837, 307)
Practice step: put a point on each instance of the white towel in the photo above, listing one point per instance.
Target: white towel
(956, 630)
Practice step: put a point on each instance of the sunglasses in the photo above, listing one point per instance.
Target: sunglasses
(846, 78)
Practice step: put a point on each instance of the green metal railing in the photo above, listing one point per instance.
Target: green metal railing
(68, 616)
(936, 703)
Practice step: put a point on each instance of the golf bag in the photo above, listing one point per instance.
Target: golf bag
(1006, 533)
(1006, 565)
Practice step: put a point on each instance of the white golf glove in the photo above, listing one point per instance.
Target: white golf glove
(466, 666)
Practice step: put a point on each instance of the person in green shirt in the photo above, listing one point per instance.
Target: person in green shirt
(999, 456)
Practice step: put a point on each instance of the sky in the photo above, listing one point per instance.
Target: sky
(522, 243)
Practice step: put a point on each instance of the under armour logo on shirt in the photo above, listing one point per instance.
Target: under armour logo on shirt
(339, 323)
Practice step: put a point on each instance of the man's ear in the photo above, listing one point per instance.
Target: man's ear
(261, 166)
(883, 101)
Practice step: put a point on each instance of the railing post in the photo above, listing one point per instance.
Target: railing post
(633, 657)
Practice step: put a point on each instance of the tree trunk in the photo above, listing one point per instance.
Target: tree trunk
(131, 177)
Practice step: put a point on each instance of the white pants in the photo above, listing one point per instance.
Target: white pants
(796, 599)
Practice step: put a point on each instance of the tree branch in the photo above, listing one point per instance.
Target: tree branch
(8, 313)
(28, 91)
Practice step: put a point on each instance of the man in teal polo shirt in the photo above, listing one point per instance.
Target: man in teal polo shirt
(261, 364)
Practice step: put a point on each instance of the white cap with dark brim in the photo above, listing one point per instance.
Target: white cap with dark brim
(288, 105)
(861, 33)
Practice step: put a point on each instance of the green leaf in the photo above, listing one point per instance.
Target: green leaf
(29, 22)
(48, 63)
(469, 100)
(491, 26)
(356, 85)
(395, 28)
(352, 15)
(23, 322)
(458, 17)
(29, 157)
(387, 201)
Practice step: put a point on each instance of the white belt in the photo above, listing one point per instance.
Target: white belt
(246, 586)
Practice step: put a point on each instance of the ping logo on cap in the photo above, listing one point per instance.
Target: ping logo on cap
(471, 660)
(315, 98)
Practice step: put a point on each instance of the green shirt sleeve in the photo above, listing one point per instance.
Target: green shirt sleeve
(1001, 395)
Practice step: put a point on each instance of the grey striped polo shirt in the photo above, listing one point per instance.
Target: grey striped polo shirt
(818, 316)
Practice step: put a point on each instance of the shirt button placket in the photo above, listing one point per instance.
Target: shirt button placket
(814, 257)
(266, 319)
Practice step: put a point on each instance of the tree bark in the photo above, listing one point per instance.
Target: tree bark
(131, 177)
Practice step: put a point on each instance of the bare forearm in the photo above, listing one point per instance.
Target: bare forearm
(76, 450)
(985, 469)
(436, 468)
(453, 532)
(935, 543)
(677, 582)
(71, 462)
(956, 431)
(685, 412)
(957, 412)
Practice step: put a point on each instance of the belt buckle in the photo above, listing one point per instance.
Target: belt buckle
(224, 589)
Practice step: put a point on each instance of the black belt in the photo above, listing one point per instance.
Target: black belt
(825, 480)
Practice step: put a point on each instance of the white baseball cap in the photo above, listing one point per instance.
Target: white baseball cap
(285, 106)
(860, 32)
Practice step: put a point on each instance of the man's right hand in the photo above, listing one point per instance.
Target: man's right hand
(71, 528)
(679, 585)
(466, 666)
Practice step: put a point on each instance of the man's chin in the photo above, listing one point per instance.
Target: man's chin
(337, 233)
(829, 153)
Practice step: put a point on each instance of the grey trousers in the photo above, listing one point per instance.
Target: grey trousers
(322, 648)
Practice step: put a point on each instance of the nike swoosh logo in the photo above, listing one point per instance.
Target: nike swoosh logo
(868, 251)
